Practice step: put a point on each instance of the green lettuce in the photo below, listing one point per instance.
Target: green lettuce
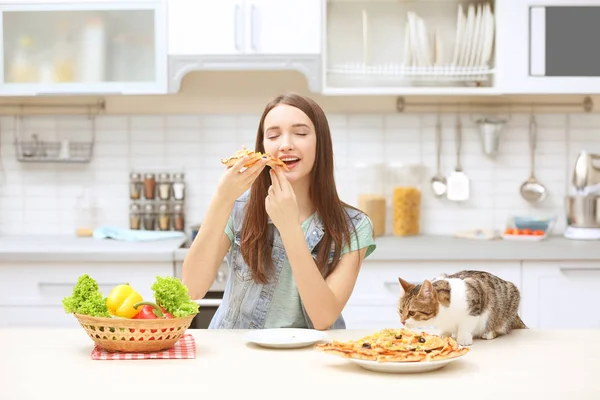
(172, 295)
(86, 299)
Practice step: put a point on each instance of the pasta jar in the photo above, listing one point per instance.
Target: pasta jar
(406, 201)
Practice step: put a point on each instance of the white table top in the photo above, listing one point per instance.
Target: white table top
(527, 364)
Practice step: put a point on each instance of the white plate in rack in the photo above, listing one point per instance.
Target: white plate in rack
(285, 338)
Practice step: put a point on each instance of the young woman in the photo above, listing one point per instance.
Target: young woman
(294, 249)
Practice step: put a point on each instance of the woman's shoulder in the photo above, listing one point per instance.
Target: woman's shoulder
(356, 217)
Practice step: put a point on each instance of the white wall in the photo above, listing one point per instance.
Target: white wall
(40, 198)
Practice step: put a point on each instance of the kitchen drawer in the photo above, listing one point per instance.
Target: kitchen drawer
(371, 317)
(36, 317)
(46, 284)
(377, 283)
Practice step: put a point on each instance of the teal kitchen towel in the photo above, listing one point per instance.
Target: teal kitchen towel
(130, 235)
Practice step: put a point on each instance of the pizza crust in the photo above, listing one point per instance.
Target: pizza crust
(255, 156)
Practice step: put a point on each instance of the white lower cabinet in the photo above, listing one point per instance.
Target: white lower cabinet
(31, 294)
(374, 301)
(561, 295)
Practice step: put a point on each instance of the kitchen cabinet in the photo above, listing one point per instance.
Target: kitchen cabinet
(245, 35)
(561, 295)
(373, 304)
(31, 293)
(83, 47)
(390, 47)
(244, 27)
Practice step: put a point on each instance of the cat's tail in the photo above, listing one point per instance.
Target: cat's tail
(518, 323)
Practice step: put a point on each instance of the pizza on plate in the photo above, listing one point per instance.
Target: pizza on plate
(254, 156)
(396, 345)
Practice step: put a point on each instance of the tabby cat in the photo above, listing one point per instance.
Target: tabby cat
(464, 305)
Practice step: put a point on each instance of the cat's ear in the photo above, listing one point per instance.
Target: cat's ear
(426, 291)
(405, 286)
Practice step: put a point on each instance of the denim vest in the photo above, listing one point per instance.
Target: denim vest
(246, 302)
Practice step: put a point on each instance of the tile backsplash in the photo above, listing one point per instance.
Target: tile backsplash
(43, 198)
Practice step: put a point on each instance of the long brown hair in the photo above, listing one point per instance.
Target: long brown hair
(256, 239)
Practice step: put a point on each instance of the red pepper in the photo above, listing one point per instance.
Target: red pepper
(151, 310)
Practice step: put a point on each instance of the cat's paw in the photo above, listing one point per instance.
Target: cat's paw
(447, 334)
(489, 335)
(464, 339)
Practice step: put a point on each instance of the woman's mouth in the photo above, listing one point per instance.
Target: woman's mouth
(291, 162)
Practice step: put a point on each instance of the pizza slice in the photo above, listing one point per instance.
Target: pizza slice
(254, 156)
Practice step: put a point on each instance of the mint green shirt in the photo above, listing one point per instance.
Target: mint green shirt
(285, 310)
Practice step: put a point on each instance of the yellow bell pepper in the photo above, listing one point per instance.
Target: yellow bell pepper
(121, 299)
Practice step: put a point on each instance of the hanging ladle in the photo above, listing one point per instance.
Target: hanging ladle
(438, 182)
(532, 190)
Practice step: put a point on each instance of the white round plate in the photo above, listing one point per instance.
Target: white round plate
(285, 338)
(403, 367)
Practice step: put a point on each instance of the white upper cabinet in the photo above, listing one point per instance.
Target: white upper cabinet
(244, 27)
(284, 26)
(205, 27)
(102, 47)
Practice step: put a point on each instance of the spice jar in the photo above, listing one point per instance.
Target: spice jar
(135, 217)
(149, 186)
(178, 217)
(164, 186)
(406, 200)
(164, 219)
(135, 186)
(149, 217)
(179, 186)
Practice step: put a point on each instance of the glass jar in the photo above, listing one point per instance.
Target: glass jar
(149, 186)
(135, 217)
(179, 186)
(149, 217)
(164, 218)
(164, 186)
(370, 179)
(178, 218)
(136, 186)
(406, 183)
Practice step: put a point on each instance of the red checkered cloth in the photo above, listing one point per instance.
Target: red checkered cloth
(184, 348)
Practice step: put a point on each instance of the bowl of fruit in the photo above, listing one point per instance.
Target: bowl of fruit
(528, 228)
(126, 322)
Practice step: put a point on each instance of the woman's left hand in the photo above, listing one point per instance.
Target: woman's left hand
(280, 203)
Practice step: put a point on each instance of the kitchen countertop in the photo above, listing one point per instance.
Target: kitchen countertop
(389, 248)
(447, 248)
(527, 364)
(72, 248)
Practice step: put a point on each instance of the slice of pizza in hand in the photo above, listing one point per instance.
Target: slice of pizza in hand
(254, 156)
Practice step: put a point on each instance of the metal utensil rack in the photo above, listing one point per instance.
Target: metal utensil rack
(39, 151)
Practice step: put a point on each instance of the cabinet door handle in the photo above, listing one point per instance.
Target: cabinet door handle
(209, 302)
(236, 24)
(253, 33)
(580, 269)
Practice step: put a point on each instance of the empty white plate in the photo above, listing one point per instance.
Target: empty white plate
(285, 338)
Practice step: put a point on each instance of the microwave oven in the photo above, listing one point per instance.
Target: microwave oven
(549, 46)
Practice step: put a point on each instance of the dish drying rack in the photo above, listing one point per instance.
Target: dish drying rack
(37, 150)
(413, 73)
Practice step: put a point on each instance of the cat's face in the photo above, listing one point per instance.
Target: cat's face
(418, 305)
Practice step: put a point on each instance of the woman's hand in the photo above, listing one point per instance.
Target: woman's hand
(234, 183)
(281, 201)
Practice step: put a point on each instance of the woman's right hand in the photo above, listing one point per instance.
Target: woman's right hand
(234, 183)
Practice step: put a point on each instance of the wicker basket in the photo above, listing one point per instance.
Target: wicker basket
(134, 335)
